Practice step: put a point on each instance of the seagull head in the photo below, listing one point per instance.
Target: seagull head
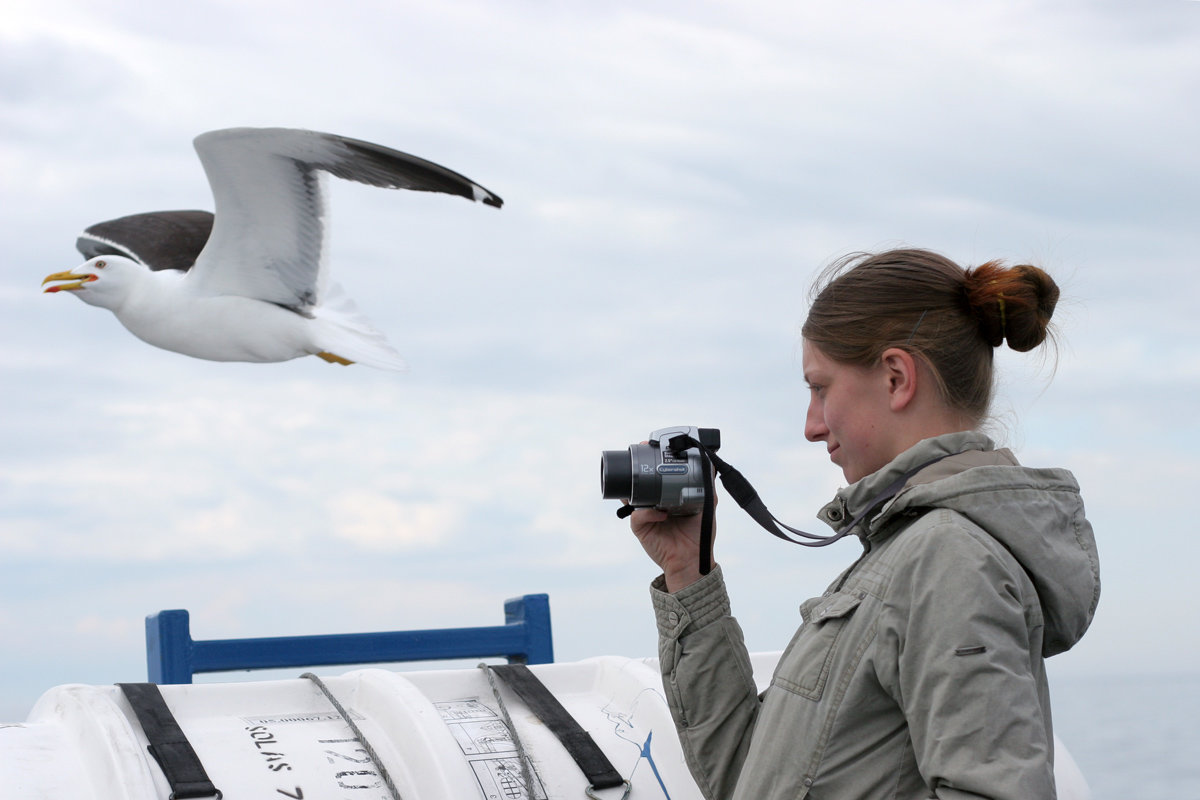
(102, 281)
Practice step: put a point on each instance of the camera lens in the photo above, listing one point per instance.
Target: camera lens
(616, 475)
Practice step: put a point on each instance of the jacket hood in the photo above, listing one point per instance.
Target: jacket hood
(1037, 514)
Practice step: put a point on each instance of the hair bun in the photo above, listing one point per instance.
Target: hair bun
(1012, 304)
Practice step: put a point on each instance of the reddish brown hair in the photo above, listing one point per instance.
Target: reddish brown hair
(921, 302)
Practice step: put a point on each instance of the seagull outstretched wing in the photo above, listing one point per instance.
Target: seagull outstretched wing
(268, 240)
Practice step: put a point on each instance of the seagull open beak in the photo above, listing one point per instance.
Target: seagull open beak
(73, 281)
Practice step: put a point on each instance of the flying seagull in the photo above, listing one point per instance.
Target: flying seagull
(251, 282)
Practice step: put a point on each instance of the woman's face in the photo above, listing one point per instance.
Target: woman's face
(848, 411)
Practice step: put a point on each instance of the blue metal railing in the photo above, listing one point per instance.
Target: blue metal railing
(172, 656)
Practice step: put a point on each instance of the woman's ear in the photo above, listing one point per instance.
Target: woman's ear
(900, 370)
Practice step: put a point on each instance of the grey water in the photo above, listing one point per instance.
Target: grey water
(1134, 737)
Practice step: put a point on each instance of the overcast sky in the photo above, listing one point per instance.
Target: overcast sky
(674, 175)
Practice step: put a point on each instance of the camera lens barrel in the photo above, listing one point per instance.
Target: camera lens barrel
(632, 475)
(645, 482)
(616, 474)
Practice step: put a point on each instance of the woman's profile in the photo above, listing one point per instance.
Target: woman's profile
(920, 671)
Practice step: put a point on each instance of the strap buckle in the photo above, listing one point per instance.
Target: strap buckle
(590, 791)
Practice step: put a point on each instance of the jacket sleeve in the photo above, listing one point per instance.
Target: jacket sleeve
(960, 618)
(708, 680)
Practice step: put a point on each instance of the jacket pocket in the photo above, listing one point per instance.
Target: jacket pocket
(804, 667)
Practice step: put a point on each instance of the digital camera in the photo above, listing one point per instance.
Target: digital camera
(652, 475)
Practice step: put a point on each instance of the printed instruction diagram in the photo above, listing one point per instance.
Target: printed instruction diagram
(488, 745)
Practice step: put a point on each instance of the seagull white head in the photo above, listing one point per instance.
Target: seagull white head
(104, 281)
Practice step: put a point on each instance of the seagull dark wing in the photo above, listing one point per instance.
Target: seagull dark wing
(158, 240)
(269, 239)
(390, 169)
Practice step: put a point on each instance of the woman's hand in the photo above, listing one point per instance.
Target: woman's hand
(671, 542)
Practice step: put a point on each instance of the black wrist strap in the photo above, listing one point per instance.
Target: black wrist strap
(708, 513)
(168, 744)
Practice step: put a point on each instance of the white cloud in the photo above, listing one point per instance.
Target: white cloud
(373, 521)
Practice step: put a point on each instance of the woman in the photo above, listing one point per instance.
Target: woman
(920, 671)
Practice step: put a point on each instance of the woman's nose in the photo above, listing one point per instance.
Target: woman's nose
(814, 424)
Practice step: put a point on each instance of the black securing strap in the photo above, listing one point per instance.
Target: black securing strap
(579, 743)
(168, 744)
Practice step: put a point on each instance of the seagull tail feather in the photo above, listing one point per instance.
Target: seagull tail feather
(343, 330)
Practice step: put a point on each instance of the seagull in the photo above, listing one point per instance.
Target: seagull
(250, 282)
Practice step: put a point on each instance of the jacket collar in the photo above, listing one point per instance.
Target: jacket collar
(952, 452)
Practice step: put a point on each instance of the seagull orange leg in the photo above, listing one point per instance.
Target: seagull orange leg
(334, 359)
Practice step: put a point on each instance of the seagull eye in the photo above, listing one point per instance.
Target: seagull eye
(101, 265)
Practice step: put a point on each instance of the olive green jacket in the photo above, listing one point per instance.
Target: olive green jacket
(920, 671)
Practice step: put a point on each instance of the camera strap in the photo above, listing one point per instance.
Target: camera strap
(709, 512)
(747, 497)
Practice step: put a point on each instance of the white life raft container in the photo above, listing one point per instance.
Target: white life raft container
(439, 734)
